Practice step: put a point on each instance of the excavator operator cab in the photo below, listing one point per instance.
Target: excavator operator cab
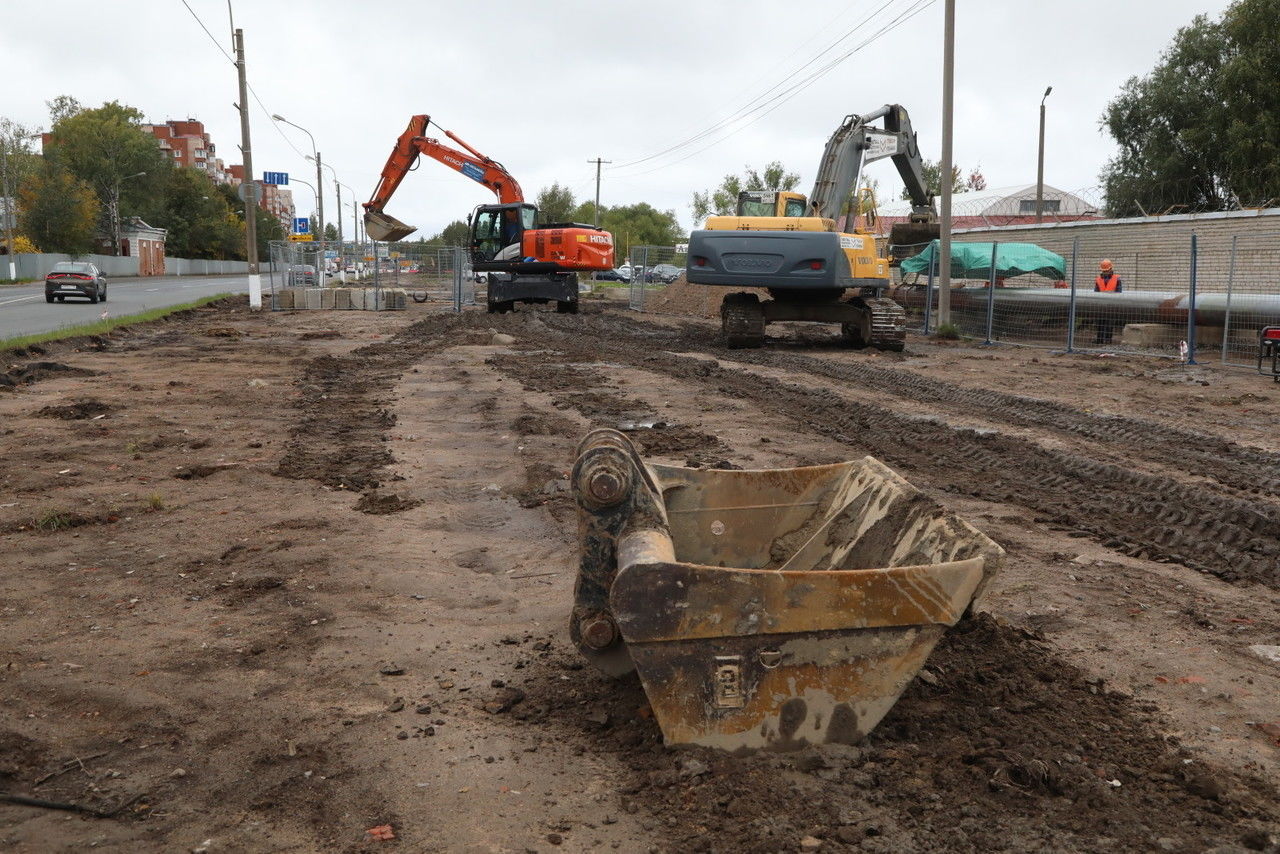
(771, 203)
(497, 231)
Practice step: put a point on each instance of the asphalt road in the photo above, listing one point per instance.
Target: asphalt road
(23, 310)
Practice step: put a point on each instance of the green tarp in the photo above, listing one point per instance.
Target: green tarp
(973, 261)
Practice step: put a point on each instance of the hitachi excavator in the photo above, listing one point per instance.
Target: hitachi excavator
(527, 260)
(792, 246)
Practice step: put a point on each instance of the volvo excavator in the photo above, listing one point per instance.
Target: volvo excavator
(526, 260)
(792, 246)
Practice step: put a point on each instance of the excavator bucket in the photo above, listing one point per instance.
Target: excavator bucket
(907, 239)
(765, 609)
(380, 226)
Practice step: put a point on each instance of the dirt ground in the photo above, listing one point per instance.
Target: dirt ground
(271, 582)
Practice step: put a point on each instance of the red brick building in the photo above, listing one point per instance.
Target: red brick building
(186, 143)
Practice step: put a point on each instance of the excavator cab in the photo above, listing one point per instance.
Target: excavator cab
(498, 230)
(771, 203)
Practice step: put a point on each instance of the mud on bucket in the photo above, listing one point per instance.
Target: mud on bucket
(772, 608)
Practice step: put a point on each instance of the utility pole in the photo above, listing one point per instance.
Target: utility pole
(597, 162)
(1040, 163)
(9, 207)
(250, 185)
(948, 89)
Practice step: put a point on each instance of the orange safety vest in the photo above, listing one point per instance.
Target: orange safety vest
(1109, 284)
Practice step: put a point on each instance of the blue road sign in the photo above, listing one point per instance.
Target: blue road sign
(301, 225)
(275, 177)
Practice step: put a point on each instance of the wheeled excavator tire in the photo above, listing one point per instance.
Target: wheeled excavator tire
(742, 321)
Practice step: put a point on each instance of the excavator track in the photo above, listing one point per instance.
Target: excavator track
(888, 324)
(742, 321)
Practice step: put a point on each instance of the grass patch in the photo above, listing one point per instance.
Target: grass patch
(948, 331)
(155, 502)
(16, 281)
(102, 327)
(54, 520)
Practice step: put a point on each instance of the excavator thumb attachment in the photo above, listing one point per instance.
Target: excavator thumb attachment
(766, 609)
(380, 226)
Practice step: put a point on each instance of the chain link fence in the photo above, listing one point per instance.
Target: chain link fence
(369, 276)
(1183, 299)
(650, 269)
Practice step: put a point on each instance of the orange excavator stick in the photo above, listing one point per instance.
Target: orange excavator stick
(413, 143)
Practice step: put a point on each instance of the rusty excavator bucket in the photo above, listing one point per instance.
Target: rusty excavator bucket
(765, 609)
(381, 226)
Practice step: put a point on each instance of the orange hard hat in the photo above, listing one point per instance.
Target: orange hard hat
(1106, 265)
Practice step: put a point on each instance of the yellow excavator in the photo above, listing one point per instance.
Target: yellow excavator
(792, 245)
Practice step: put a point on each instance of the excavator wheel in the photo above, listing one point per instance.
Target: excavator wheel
(742, 321)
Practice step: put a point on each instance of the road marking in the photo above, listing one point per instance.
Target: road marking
(18, 299)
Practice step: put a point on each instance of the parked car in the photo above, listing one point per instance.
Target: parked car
(626, 272)
(302, 275)
(75, 279)
(664, 273)
(610, 276)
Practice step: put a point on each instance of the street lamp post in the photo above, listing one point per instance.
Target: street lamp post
(115, 211)
(355, 229)
(1040, 164)
(337, 188)
(319, 190)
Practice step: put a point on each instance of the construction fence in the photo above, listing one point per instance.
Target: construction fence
(649, 269)
(1184, 299)
(370, 276)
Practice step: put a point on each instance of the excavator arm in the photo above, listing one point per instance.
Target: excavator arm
(408, 148)
(853, 145)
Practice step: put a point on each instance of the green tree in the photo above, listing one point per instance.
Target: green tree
(932, 170)
(330, 232)
(455, 233)
(199, 219)
(640, 224)
(105, 147)
(556, 204)
(62, 107)
(723, 200)
(58, 211)
(1171, 127)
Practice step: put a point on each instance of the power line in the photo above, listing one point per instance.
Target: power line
(750, 105)
(787, 94)
(252, 91)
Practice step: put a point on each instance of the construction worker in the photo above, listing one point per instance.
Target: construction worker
(1107, 282)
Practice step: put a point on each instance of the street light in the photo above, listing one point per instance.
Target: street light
(337, 189)
(319, 174)
(355, 223)
(115, 211)
(1040, 166)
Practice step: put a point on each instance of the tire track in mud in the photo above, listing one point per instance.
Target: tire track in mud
(1140, 514)
(1242, 469)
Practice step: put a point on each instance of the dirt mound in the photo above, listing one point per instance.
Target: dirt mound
(1000, 746)
(77, 410)
(381, 503)
(680, 297)
(33, 372)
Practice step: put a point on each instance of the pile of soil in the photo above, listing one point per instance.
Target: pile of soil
(680, 297)
(999, 746)
(77, 410)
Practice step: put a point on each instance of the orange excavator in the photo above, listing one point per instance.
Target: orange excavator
(526, 260)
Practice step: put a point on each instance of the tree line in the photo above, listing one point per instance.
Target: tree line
(100, 167)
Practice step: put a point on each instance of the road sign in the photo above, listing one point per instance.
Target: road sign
(330, 253)
(248, 191)
(301, 225)
(275, 177)
(300, 237)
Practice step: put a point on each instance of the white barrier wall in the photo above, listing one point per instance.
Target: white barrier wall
(36, 266)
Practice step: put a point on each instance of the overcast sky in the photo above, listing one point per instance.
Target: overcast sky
(545, 86)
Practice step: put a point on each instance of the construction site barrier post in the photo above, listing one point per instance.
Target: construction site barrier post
(1226, 317)
(1191, 306)
(991, 292)
(928, 292)
(1071, 310)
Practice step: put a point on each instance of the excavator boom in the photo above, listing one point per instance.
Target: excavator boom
(414, 143)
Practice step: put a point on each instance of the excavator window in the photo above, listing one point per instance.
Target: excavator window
(748, 207)
(487, 236)
(795, 207)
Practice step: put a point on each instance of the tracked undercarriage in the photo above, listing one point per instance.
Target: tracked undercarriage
(864, 321)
